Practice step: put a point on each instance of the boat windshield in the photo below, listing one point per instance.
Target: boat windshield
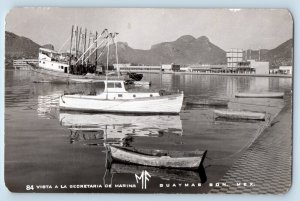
(114, 86)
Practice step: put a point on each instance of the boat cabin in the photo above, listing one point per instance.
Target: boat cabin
(52, 60)
(115, 89)
(114, 86)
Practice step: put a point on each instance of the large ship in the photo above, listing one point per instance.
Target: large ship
(81, 64)
(53, 61)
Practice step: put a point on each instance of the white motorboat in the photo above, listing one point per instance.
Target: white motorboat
(116, 99)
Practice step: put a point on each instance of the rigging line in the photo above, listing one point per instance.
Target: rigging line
(69, 38)
(101, 53)
(94, 42)
(91, 53)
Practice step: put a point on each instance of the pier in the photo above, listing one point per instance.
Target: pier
(266, 163)
(22, 64)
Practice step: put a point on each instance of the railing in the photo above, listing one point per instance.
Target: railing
(23, 64)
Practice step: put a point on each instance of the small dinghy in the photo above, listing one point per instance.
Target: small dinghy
(191, 160)
(231, 114)
(260, 95)
(209, 102)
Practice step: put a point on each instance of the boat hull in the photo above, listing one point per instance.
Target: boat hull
(239, 115)
(169, 104)
(70, 78)
(260, 95)
(165, 161)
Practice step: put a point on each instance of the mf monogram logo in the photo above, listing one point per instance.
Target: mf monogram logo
(144, 178)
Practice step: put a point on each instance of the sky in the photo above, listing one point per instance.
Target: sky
(143, 27)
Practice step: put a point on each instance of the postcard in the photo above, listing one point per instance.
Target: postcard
(148, 100)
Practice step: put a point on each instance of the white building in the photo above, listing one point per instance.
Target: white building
(170, 67)
(234, 56)
(286, 70)
(261, 67)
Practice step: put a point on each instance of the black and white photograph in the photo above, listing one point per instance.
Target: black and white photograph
(148, 100)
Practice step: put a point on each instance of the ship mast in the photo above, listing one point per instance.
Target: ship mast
(107, 65)
(115, 40)
(71, 45)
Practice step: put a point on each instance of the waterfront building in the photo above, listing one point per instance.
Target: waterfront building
(170, 67)
(23, 64)
(130, 68)
(234, 57)
(286, 70)
(260, 67)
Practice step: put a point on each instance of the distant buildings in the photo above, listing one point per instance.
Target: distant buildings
(237, 63)
(170, 67)
(234, 57)
(130, 68)
(286, 70)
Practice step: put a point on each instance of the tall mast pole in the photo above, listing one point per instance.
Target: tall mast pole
(96, 57)
(71, 45)
(107, 66)
(89, 46)
(76, 38)
(118, 69)
(84, 45)
(79, 40)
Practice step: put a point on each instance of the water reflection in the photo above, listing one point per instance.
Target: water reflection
(46, 105)
(27, 128)
(120, 129)
(198, 176)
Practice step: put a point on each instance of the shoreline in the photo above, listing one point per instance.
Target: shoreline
(233, 74)
(197, 73)
(272, 143)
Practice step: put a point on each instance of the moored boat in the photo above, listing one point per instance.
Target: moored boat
(115, 99)
(191, 160)
(231, 114)
(260, 95)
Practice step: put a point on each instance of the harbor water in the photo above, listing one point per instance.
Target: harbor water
(46, 146)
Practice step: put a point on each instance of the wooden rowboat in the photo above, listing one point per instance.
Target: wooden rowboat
(260, 95)
(231, 114)
(209, 102)
(191, 160)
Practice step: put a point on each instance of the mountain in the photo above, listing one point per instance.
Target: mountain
(17, 47)
(279, 56)
(48, 46)
(184, 50)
